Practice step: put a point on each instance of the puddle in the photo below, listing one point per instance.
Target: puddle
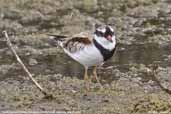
(141, 54)
(126, 56)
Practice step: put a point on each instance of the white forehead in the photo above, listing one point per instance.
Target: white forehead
(103, 29)
(111, 28)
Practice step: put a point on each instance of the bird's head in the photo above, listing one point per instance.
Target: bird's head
(105, 36)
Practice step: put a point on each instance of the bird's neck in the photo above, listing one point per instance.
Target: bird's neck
(105, 43)
(107, 54)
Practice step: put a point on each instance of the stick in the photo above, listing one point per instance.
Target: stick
(154, 75)
(22, 64)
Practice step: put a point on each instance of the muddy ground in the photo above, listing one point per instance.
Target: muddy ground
(143, 30)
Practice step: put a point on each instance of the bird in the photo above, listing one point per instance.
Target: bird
(89, 50)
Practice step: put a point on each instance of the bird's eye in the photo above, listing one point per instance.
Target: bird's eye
(112, 33)
(109, 31)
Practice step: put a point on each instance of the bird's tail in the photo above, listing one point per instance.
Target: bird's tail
(56, 40)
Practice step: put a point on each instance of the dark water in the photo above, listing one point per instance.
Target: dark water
(125, 55)
(142, 54)
(124, 58)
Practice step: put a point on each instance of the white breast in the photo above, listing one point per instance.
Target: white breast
(89, 56)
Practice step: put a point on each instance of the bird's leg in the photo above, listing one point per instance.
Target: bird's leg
(95, 75)
(95, 78)
(86, 79)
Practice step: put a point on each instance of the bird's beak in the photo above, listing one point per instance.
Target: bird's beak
(109, 38)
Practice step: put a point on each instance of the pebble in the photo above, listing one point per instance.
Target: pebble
(33, 62)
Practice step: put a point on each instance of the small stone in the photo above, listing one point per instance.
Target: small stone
(74, 91)
(33, 62)
(58, 76)
(28, 53)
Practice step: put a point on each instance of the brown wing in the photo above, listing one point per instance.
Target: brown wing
(76, 44)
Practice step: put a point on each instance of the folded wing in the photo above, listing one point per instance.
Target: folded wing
(73, 44)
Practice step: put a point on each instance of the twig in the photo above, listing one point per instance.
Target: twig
(154, 75)
(22, 64)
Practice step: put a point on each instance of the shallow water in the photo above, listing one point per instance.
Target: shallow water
(125, 57)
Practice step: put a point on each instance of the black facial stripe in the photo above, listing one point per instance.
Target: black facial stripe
(99, 33)
(108, 32)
